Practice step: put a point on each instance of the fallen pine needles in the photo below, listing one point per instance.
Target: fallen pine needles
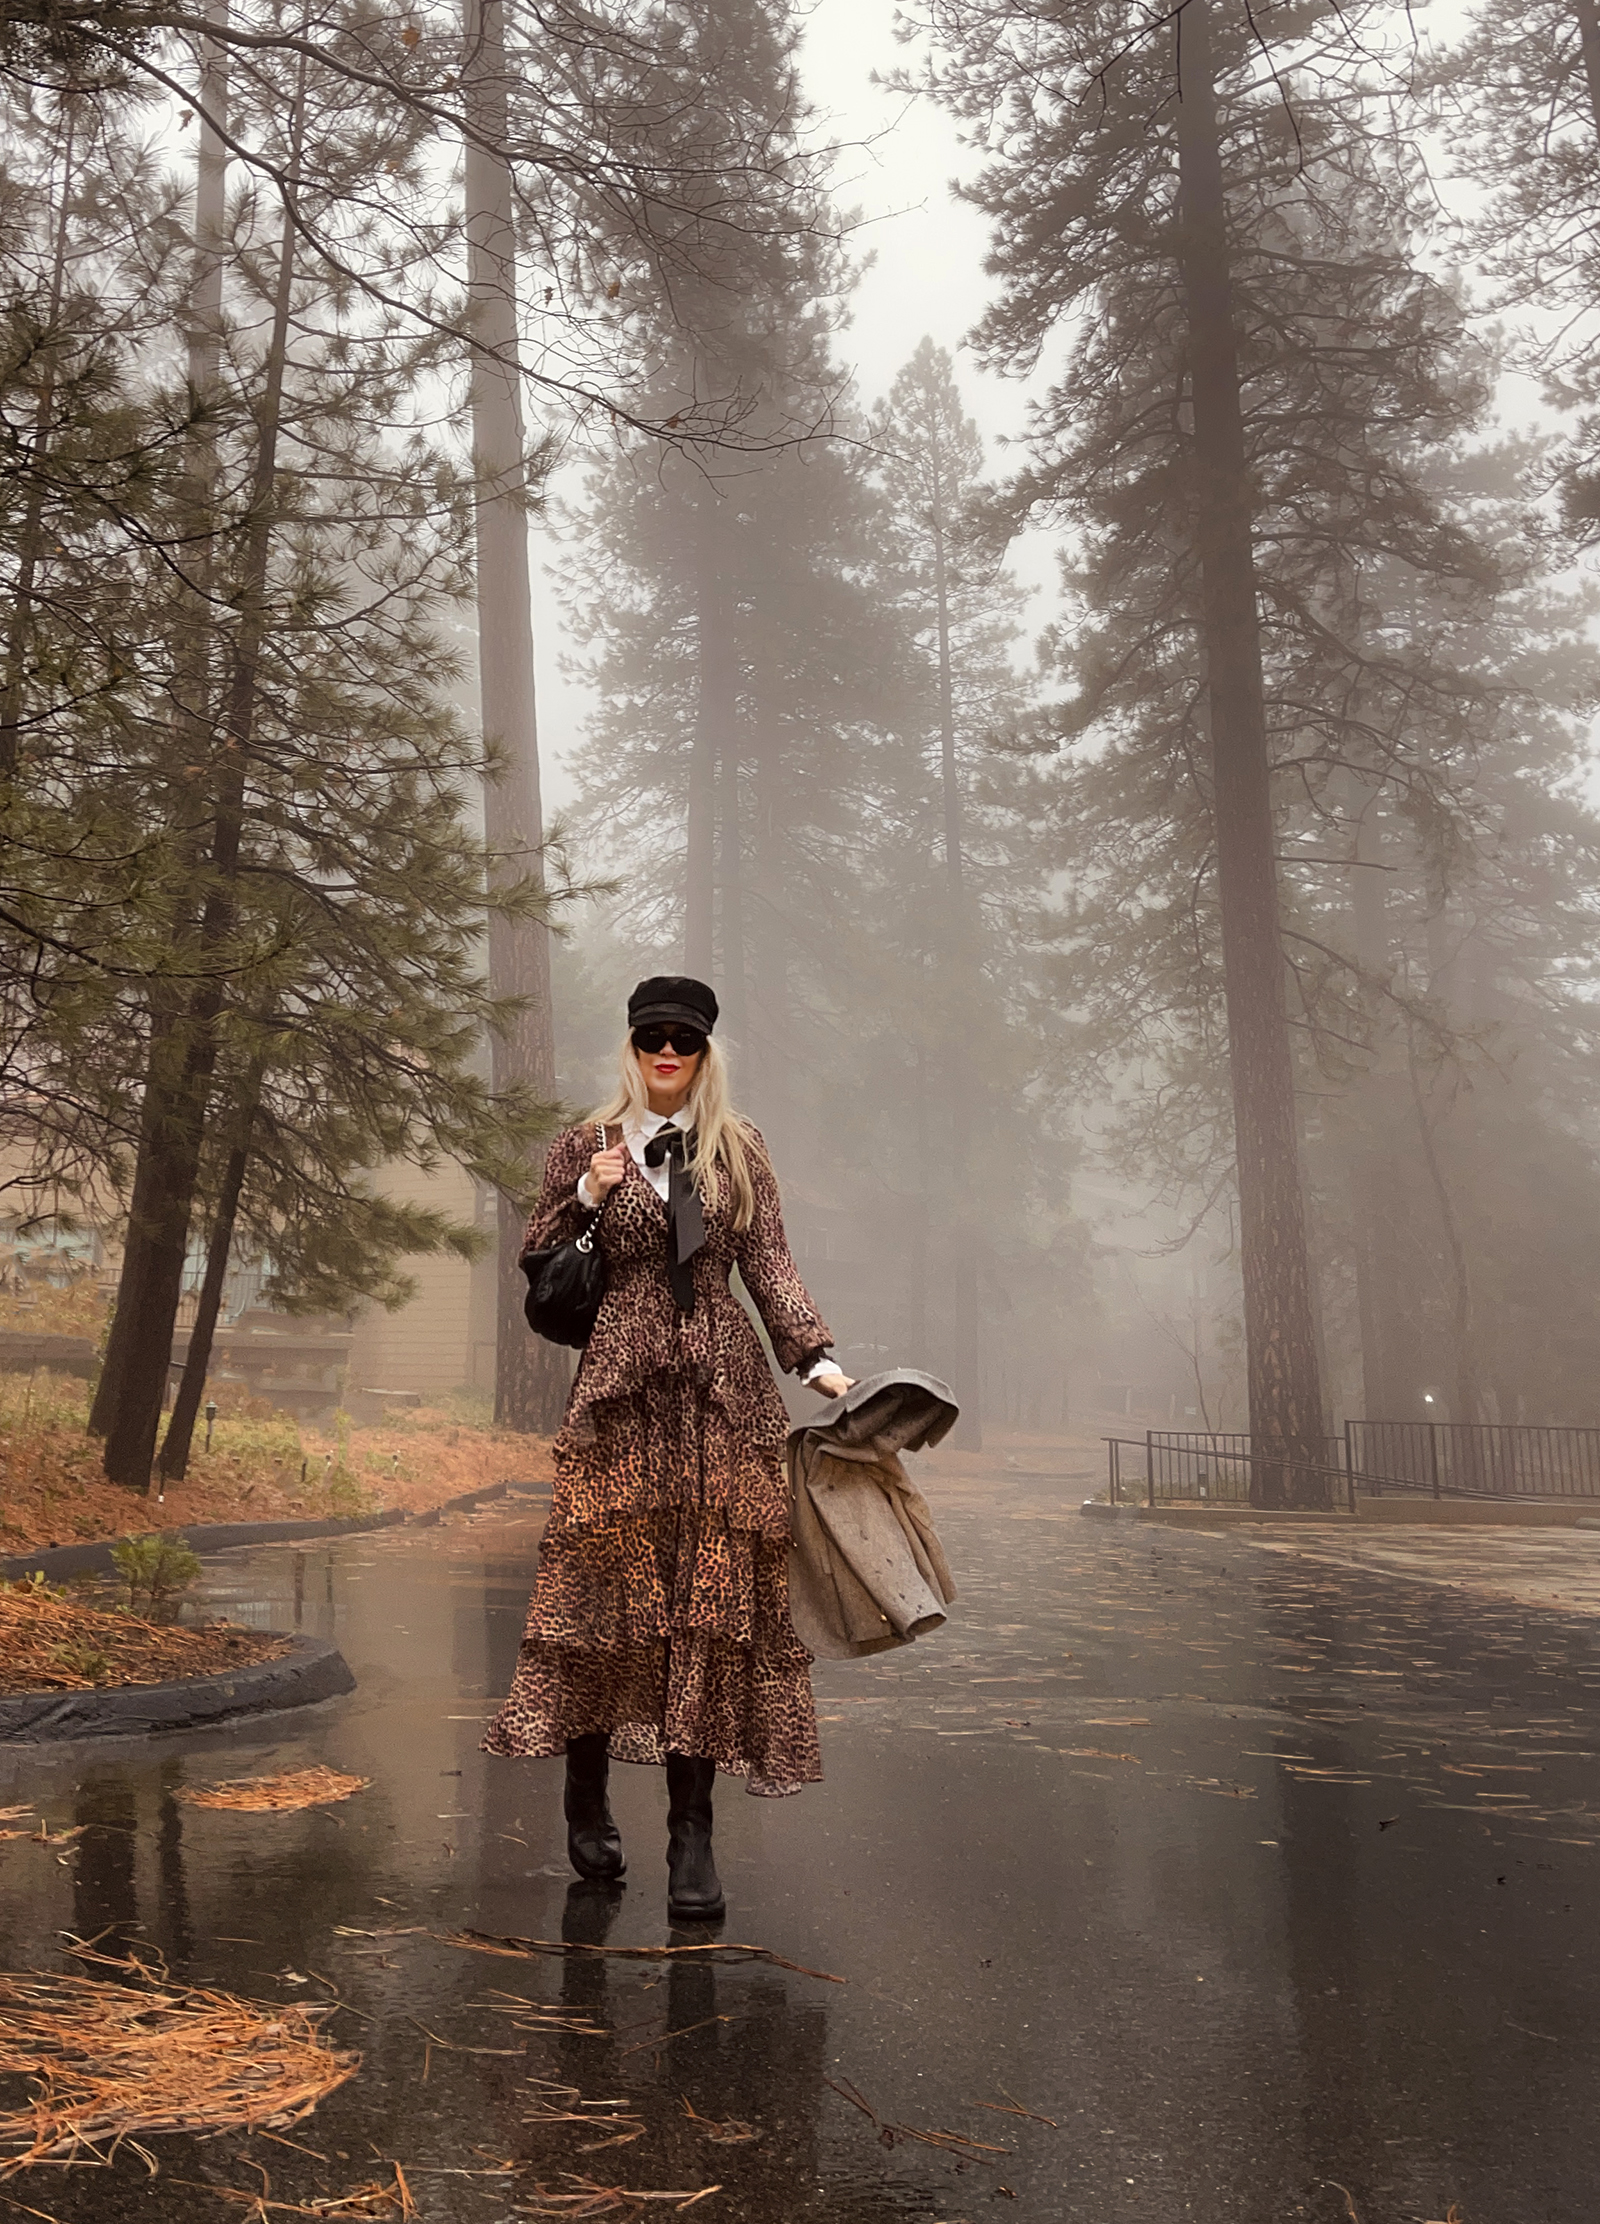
(951, 2142)
(116, 2062)
(664, 2038)
(732, 2131)
(50, 1643)
(453, 2046)
(1014, 2107)
(285, 1793)
(491, 1942)
(548, 2016)
(564, 2104)
(376, 2199)
(23, 2209)
(589, 2199)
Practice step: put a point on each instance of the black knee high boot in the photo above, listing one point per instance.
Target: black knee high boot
(594, 1844)
(693, 1891)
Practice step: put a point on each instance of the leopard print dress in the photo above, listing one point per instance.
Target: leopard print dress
(661, 1609)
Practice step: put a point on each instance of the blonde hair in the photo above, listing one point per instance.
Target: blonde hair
(724, 1140)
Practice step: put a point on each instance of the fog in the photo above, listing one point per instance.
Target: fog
(1096, 668)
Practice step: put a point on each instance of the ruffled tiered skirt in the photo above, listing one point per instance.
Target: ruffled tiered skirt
(661, 1609)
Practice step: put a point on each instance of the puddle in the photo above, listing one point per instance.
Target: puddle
(1095, 1852)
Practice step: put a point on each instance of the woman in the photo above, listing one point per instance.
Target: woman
(659, 1625)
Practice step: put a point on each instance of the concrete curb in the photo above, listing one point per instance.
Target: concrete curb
(56, 1562)
(313, 1669)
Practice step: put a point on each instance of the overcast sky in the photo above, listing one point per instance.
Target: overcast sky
(897, 160)
(926, 274)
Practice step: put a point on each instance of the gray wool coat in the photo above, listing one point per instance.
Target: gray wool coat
(866, 1569)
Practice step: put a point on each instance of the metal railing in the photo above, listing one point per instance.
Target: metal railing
(1438, 1459)
(1178, 1447)
(1474, 1459)
(1197, 1468)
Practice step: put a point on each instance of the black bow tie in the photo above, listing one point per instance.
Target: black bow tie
(686, 1227)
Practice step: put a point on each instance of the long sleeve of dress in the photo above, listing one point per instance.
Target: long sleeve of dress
(559, 1214)
(797, 1329)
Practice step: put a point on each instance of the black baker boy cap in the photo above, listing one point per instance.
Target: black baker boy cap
(667, 996)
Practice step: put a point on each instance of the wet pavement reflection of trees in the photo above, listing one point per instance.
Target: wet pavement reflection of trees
(1201, 1852)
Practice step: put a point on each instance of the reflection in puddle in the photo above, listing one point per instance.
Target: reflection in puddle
(354, 1905)
(1205, 1855)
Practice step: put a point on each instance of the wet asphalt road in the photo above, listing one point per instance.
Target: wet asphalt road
(1274, 1885)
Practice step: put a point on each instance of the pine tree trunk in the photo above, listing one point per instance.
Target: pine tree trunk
(530, 1375)
(712, 733)
(950, 785)
(1388, 1306)
(967, 1373)
(175, 1445)
(964, 1235)
(29, 544)
(1387, 1302)
(917, 1260)
(1285, 1396)
(153, 1260)
(730, 874)
(151, 1280)
(1467, 1399)
(158, 1068)
(192, 659)
(1588, 15)
(768, 1083)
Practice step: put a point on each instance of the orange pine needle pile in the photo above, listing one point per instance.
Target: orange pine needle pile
(276, 1795)
(113, 2063)
(49, 1643)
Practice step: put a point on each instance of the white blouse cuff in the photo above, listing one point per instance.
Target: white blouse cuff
(823, 1366)
(586, 1195)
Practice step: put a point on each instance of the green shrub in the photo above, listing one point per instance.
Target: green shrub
(39, 1584)
(255, 1439)
(346, 1497)
(461, 1408)
(42, 1400)
(156, 1569)
(470, 1407)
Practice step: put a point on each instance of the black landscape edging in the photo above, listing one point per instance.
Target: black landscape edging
(60, 1560)
(462, 1505)
(313, 1669)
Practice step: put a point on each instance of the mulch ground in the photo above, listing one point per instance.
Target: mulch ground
(52, 1489)
(51, 1643)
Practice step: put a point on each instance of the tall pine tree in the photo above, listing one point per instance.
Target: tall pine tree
(1248, 348)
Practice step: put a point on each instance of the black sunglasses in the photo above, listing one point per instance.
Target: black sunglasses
(688, 1042)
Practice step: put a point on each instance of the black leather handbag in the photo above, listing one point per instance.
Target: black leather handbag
(567, 1282)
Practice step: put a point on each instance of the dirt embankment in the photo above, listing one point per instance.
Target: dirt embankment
(261, 1467)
